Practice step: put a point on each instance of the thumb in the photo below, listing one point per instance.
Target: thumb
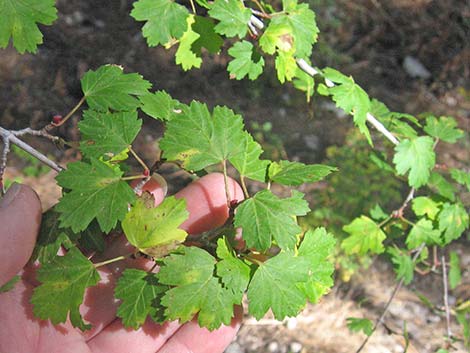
(20, 218)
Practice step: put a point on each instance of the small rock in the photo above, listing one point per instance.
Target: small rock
(291, 323)
(274, 347)
(415, 68)
(295, 347)
(234, 347)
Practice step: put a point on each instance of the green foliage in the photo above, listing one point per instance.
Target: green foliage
(356, 325)
(233, 17)
(109, 88)
(97, 191)
(165, 20)
(10, 284)
(453, 220)
(296, 173)
(154, 230)
(20, 21)
(137, 289)
(404, 266)
(184, 55)
(444, 128)
(423, 232)
(455, 275)
(107, 134)
(266, 217)
(365, 236)
(423, 205)
(461, 177)
(243, 63)
(416, 156)
(63, 283)
(160, 105)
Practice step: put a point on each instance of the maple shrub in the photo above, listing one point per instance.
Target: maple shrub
(279, 264)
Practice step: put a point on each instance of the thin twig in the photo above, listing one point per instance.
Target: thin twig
(72, 112)
(390, 300)
(446, 296)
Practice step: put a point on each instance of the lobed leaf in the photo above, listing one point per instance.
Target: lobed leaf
(365, 235)
(296, 173)
(243, 63)
(233, 17)
(444, 128)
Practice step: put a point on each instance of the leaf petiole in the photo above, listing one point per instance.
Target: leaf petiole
(110, 261)
(72, 112)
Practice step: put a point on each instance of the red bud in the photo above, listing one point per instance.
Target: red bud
(146, 172)
(56, 119)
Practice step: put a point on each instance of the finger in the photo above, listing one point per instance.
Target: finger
(191, 338)
(207, 207)
(20, 218)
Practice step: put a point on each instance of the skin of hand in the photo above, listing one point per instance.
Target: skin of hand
(21, 332)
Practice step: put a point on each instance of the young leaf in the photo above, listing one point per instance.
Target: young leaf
(440, 185)
(423, 205)
(275, 285)
(461, 177)
(355, 325)
(453, 220)
(455, 275)
(198, 140)
(296, 173)
(423, 232)
(265, 217)
(234, 273)
(165, 20)
(404, 266)
(195, 290)
(160, 105)
(107, 134)
(97, 191)
(137, 290)
(286, 66)
(109, 88)
(316, 247)
(247, 161)
(365, 236)
(154, 230)
(377, 213)
(243, 63)
(416, 156)
(64, 280)
(233, 17)
(185, 55)
(20, 22)
(444, 128)
(350, 97)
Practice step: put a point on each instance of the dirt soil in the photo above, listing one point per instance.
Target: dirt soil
(369, 39)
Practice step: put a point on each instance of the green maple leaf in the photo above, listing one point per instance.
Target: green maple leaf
(350, 97)
(185, 55)
(404, 266)
(423, 232)
(416, 156)
(296, 173)
(377, 213)
(275, 285)
(199, 140)
(243, 63)
(247, 161)
(423, 205)
(97, 191)
(440, 185)
(356, 325)
(107, 134)
(20, 22)
(365, 236)
(455, 275)
(444, 128)
(109, 88)
(461, 177)
(233, 17)
(316, 247)
(154, 230)
(64, 280)
(265, 217)
(195, 290)
(453, 220)
(138, 291)
(234, 273)
(165, 20)
(160, 105)
(208, 38)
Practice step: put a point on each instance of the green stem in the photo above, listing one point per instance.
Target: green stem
(245, 190)
(141, 162)
(133, 177)
(227, 191)
(385, 221)
(110, 261)
(72, 112)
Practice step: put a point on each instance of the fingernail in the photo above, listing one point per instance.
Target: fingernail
(13, 190)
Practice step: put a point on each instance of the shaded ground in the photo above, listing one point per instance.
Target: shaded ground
(368, 38)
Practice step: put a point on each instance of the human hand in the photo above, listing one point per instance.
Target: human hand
(20, 331)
